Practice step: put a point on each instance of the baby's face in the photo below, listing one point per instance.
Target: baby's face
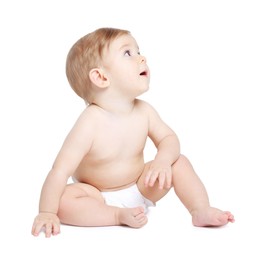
(125, 67)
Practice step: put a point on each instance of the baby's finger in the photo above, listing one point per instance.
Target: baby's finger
(36, 228)
(168, 180)
(153, 178)
(48, 230)
(56, 229)
(150, 178)
(147, 178)
(162, 179)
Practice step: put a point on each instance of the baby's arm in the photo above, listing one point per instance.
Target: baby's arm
(75, 147)
(168, 150)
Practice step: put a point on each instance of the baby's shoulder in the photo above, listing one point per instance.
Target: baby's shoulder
(89, 115)
(141, 104)
(144, 106)
(92, 111)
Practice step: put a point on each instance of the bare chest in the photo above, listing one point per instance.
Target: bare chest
(120, 137)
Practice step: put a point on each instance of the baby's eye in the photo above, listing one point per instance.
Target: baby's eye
(127, 53)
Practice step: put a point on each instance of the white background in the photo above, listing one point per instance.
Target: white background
(206, 63)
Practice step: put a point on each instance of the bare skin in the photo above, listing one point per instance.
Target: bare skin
(212, 218)
(104, 152)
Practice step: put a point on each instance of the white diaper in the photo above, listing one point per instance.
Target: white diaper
(127, 198)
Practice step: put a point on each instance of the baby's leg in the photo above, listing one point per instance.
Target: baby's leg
(83, 205)
(193, 195)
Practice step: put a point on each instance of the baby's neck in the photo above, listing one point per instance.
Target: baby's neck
(116, 107)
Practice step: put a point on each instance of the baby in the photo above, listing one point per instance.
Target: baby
(104, 151)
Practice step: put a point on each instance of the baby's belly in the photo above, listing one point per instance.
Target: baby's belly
(111, 176)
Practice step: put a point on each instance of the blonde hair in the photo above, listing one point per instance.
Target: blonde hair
(85, 55)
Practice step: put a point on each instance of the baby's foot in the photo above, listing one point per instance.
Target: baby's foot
(133, 217)
(211, 217)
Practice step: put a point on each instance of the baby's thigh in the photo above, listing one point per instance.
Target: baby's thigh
(152, 193)
(77, 190)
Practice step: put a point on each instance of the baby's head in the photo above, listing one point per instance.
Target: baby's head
(85, 55)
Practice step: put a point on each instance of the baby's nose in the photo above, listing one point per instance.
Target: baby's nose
(142, 59)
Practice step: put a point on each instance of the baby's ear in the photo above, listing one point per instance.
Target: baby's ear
(98, 78)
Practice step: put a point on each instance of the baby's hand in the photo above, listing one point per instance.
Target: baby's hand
(161, 172)
(47, 221)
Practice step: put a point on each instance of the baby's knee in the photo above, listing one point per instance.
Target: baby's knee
(181, 162)
(182, 159)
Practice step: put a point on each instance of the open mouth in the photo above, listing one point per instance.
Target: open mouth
(144, 73)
